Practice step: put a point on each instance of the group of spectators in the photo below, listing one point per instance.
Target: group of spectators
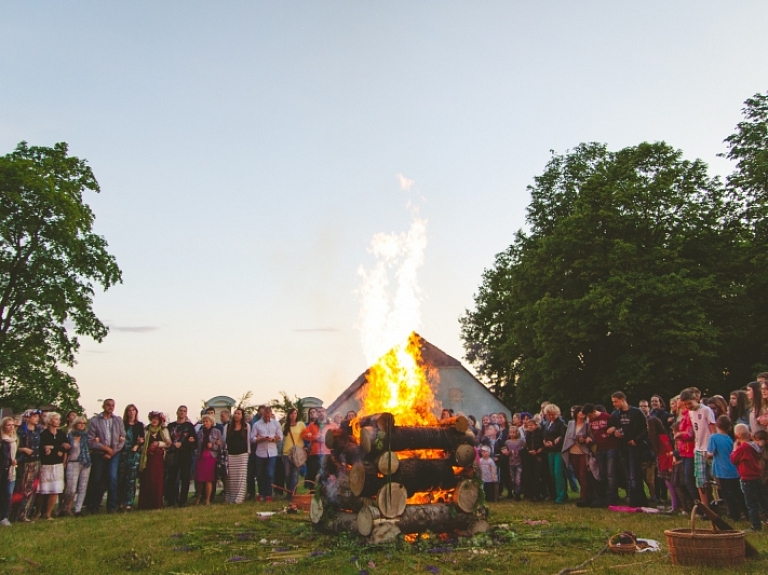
(45, 458)
(708, 449)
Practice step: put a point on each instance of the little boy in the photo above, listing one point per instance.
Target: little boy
(489, 474)
(746, 458)
(719, 449)
(761, 437)
(514, 445)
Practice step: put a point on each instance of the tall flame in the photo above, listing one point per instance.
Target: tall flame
(397, 383)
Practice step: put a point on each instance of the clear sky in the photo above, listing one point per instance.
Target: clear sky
(248, 152)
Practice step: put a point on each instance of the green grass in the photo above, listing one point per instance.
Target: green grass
(231, 539)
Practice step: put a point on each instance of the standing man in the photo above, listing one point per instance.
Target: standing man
(644, 407)
(315, 434)
(183, 445)
(267, 434)
(106, 436)
(606, 455)
(629, 427)
(703, 422)
(224, 417)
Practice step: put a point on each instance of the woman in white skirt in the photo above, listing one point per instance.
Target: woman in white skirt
(78, 467)
(236, 436)
(53, 454)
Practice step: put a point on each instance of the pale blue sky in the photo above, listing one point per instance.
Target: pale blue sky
(248, 151)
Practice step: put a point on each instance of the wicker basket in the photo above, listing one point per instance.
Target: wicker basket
(616, 546)
(705, 546)
(302, 501)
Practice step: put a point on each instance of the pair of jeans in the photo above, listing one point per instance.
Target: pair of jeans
(291, 476)
(606, 462)
(516, 478)
(690, 478)
(557, 473)
(734, 498)
(314, 463)
(6, 493)
(757, 501)
(103, 476)
(77, 485)
(265, 474)
(630, 457)
(250, 477)
(178, 476)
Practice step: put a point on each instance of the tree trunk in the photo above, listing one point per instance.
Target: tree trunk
(435, 517)
(391, 500)
(382, 421)
(459, 423)
(466, 495)
(409, 438)
(413, 474)
(342, 523)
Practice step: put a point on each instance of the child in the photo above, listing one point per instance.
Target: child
(719, 450)
(489, 474)
(662, 447)
(515, 444)
(703, 421)
(534, 445)
(761, 437)
(746, 458)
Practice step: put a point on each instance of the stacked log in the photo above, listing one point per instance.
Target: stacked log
(364, 486)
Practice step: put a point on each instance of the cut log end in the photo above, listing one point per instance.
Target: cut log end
(366, 519)
(316, 510)
(388, 463)
(465, 455)
(391, 500)
(466, 495)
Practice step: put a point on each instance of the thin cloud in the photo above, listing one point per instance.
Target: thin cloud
(135, 329)
(405, 183)
(317, 330)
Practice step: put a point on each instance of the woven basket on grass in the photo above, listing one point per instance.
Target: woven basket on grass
(705, 546)
(624, 542)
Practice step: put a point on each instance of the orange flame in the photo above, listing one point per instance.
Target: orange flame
(428, 497)
(397, 383)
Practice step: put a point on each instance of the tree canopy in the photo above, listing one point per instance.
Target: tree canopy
(638, 271)
(50, 263)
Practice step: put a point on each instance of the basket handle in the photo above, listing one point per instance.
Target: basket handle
(693, 518)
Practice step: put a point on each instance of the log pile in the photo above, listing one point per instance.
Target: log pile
(397, 480)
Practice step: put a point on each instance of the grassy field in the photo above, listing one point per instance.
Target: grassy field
(232, 539)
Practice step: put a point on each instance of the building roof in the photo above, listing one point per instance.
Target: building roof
(431, 357)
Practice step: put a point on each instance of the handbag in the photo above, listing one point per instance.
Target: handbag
(222, 463)
(297, 455)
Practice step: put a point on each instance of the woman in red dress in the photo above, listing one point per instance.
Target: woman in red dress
(152, 465)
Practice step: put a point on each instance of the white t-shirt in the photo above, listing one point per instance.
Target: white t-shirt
(700, 419)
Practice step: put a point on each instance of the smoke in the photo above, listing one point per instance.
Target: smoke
(405, 183)
(390, 297)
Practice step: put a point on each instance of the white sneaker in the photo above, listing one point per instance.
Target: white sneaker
(5, 523)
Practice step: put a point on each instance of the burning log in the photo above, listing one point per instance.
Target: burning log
(343, 446)
(411, 438)
(413, 474)
(341, 523)
(437, 517)
(466, 494)
(459, 423)
(391, 499)
(382, 421)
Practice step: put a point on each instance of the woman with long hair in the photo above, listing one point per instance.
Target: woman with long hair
(576, 453)
(236, 436)
(28, 468)
(292, 430)
(209, 440)
(53, 454)
(759, 410)
(152, 462)
(78, 467)
(128, 467)
(738, 407)
(8, 444)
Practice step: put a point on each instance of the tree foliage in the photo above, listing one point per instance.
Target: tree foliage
(50, 263)
(638, 271)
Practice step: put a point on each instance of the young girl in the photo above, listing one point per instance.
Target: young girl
(515, 445)
(662, 446)
(489, 474)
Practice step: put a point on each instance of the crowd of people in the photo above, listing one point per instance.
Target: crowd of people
(45, 458)
(706, 449)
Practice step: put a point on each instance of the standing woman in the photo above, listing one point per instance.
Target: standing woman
(53, 453)
(209, 441)
(128, 467)
(152, 462)
(292, 430)
(738, 409)
(576, 453)
(758, 412)
(28, 468)
(554, 433)
(78, 468)
(236, 436)
(8, 444)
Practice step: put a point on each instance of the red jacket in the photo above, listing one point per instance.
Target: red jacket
(746, 458)
(665, 458)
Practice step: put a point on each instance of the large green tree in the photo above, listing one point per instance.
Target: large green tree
(638, 271)
(50, 263)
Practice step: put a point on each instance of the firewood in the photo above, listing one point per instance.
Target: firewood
(414, 474)
(391, 499)
(316, 510)
(343, 446)
(410, 438)
(465, 455)
(383, 421)
(388, 463)
(466, 495)
(341, 523)
(459, 423)
(384, 533)
(435, 517)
